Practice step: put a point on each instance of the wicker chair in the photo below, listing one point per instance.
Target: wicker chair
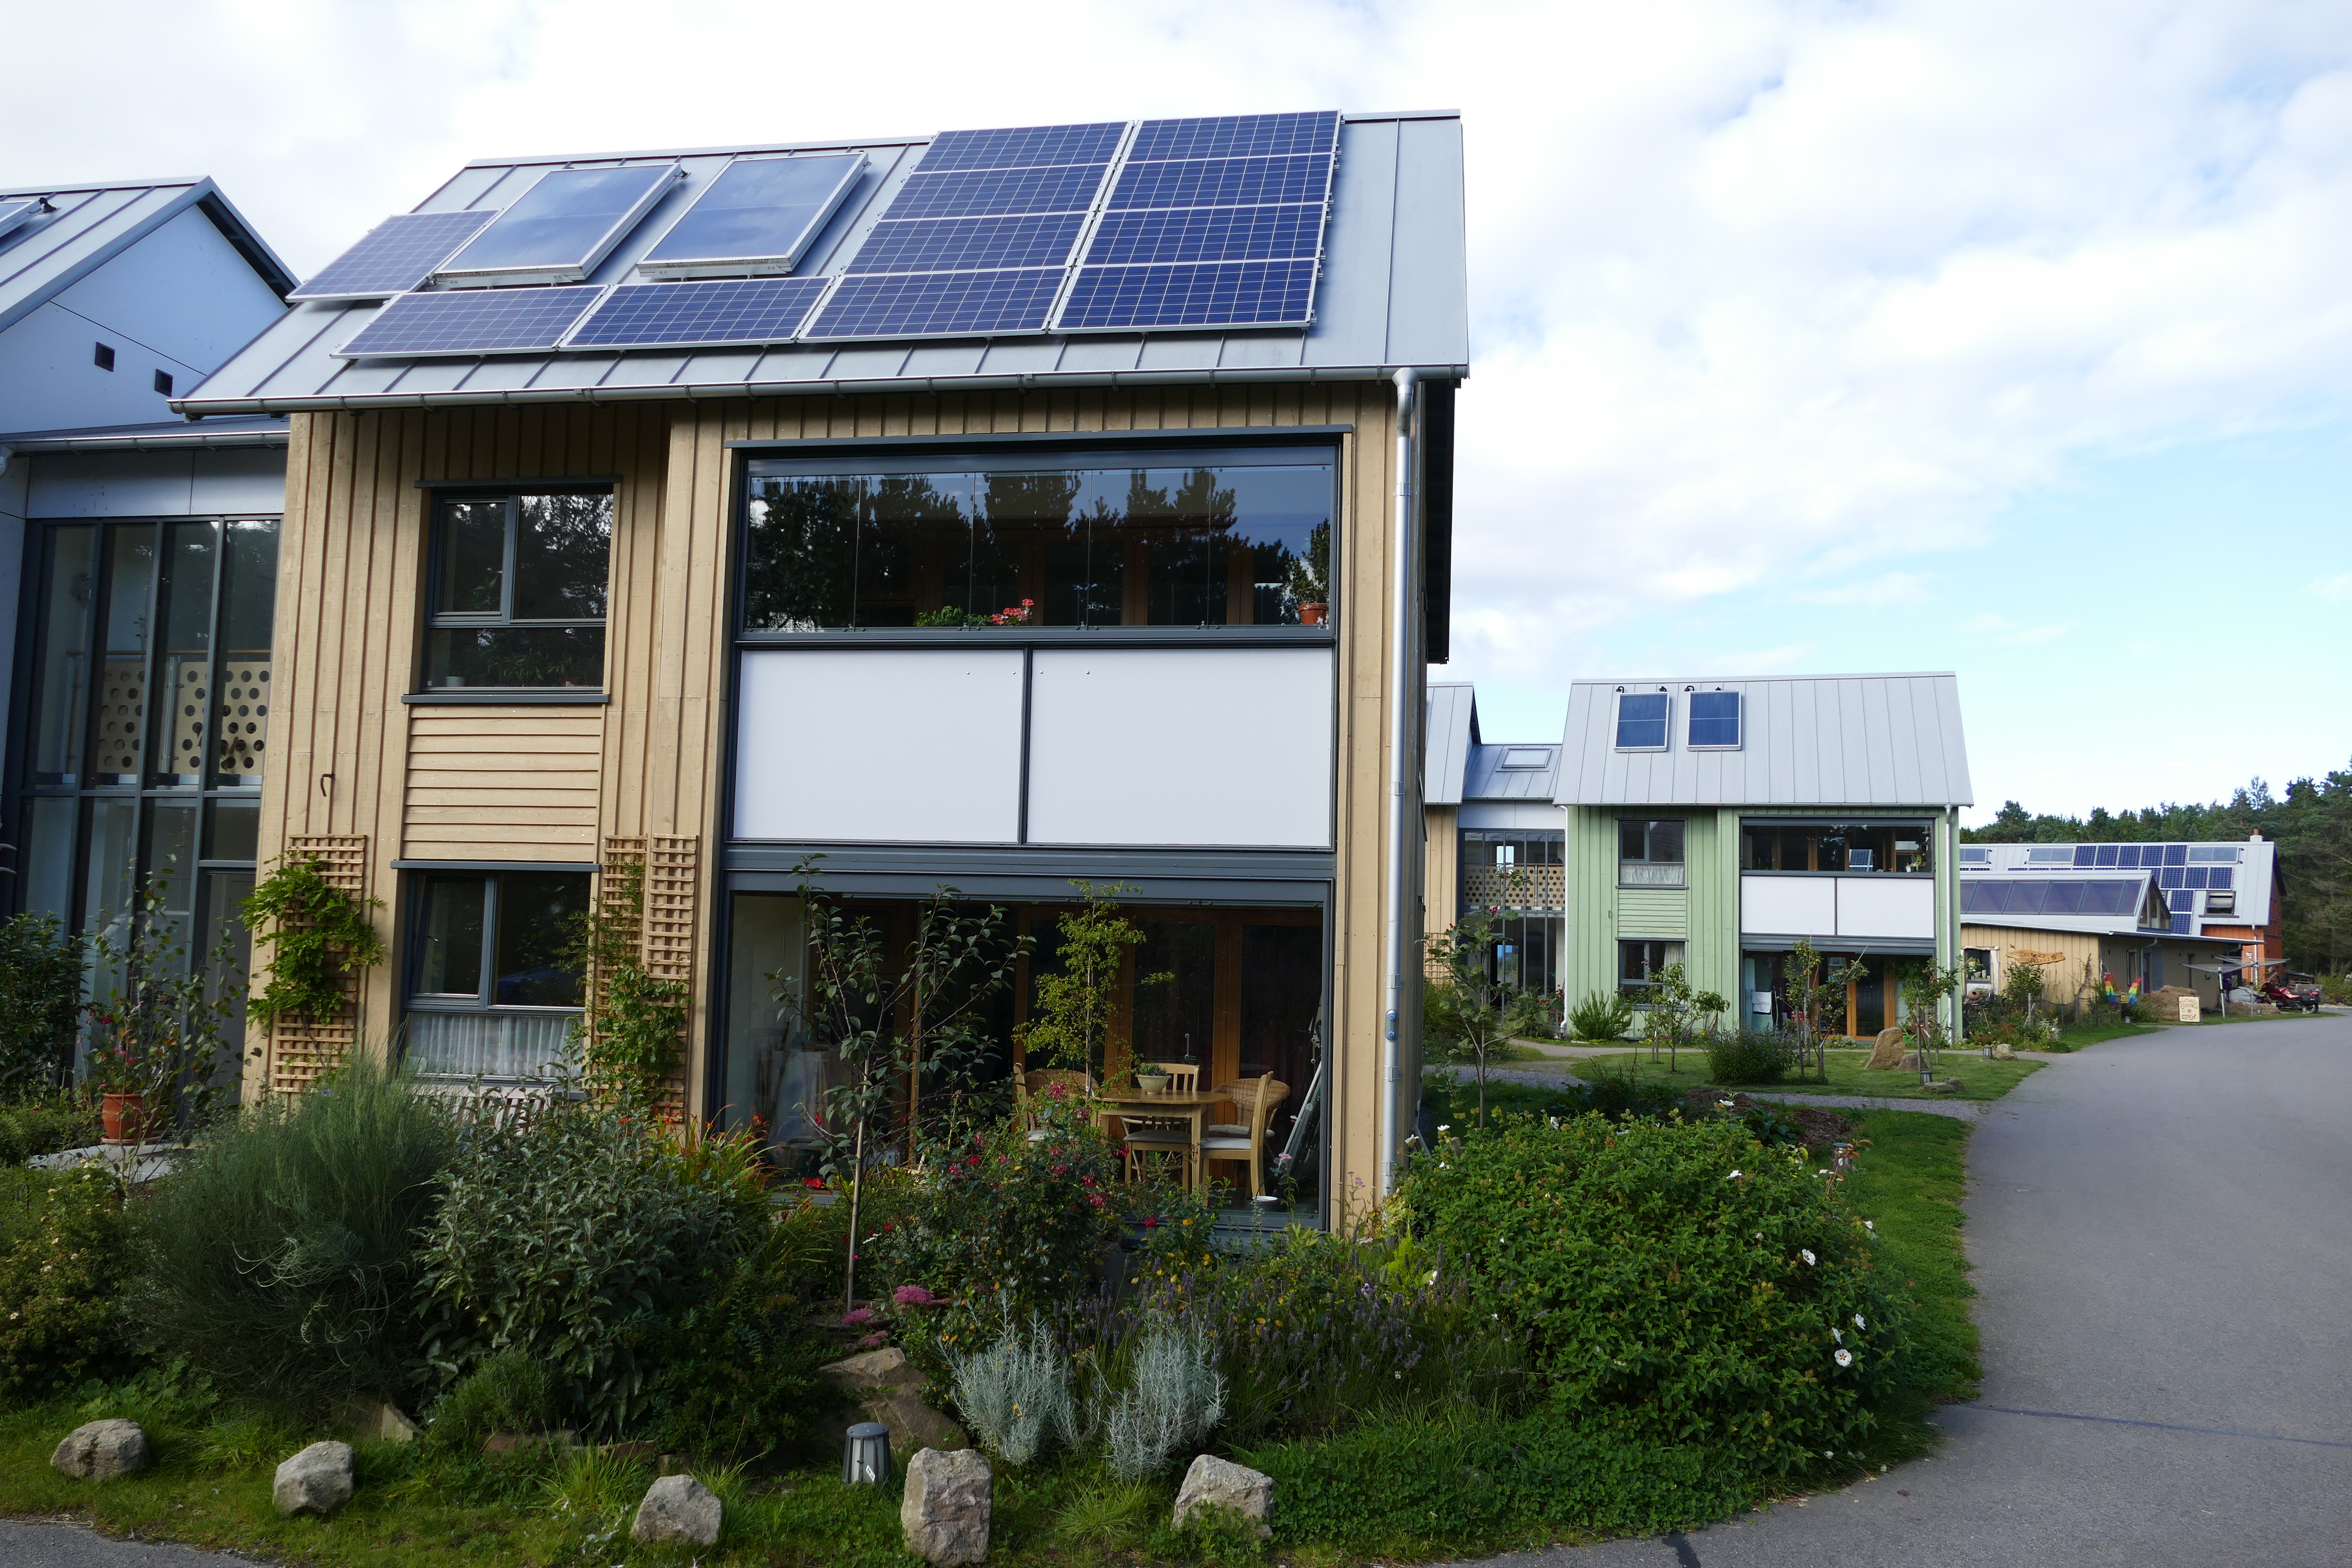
(1245, 1143)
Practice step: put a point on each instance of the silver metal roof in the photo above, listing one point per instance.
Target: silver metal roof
(89, 225)
(2253, 864)
(1452, 731)
(2144, 915)
(240, 430)
(1527, 771)
(1806, 740)
(1393, 294)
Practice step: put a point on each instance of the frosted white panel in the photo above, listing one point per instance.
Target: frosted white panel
(1789, 906)
(884, 745)
(1886, 906)
(1182, 746)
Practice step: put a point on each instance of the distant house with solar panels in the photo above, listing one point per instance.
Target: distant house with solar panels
(2192, 912)
(1716, 824)
(1495, 839)
(994, 509)
(138, 551)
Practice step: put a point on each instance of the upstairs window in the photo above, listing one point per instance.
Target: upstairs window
(517, 592)
(1834, 847)
(1715, 721)
(1650, 853)
(1641, 718)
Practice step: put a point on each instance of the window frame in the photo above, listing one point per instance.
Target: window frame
(1673, 951)
(436, 619)
(1738, 722)
(1617, 720)
(1650, 825)
(412, 999)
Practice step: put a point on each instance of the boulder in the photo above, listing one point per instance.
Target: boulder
(945, 1513)
(2001, 1051)
(1888, 1052)
(316, 1480)
(1213, 1482)
(103, 1450)
(373, 1421)
(678, 1510)
(888, 1389)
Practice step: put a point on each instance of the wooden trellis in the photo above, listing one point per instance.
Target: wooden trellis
(302, 1048)
(666, 929)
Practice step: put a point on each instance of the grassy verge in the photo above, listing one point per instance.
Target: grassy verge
(1909, 1183)
(1982, 1080)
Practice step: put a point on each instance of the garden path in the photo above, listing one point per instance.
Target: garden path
(2161, 1229)
(25, 1545)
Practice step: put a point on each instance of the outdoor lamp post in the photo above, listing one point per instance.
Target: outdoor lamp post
(867, 1461)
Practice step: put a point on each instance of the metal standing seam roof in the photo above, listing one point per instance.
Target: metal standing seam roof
(91, 224)
(2253, 866)
(1501, 772)
(2130, 897)
(1452, 732)
(1859, 741)
(1393, 294)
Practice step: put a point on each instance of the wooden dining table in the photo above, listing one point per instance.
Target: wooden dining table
(1193, 1105)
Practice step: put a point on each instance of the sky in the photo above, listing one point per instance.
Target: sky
(2008, 339)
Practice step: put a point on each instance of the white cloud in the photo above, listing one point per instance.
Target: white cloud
(1991, 627)
(2336, 589)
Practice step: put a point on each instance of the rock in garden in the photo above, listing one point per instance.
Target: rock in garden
(316, 1480)
(375, 1421)
(1213, 1482)
(947, 1505)
(888, 1389)
(678, 1510)
(2002, 1052)
(102, 1449)
(1886, 1051)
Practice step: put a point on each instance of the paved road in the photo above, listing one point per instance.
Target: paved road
(2162, 1234)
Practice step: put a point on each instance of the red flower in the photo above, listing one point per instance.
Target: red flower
(816, 1183)
(1150, 1220)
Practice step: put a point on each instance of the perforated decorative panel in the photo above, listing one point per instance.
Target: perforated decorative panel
(191, 695)
(300, 1049)
(122, 718)
(241, 720)
(1539, 888)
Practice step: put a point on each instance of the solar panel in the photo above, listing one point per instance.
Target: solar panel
(711, 313)
(925, 304)
(758, 216)
(1214, 294)
(975, 192)
(395, 257)
(1208, 234)
(1024, 146)
(1223, 183)
(562, 225)
(949, 244)
(1237, 136)
(472, 321)
(16, 211)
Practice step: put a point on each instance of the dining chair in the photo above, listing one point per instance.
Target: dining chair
(1150, 1139)
(1245, 1143)
(1184, 1077)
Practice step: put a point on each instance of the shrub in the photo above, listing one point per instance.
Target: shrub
(282, 1256)
(1602, 1015)
(1747, 1056)
(36, 1127)
(739, 1367)
(40, 1002)
(1174, 1399)
(1016, 1394)
(509, 1391)
(61, 1316)
(1678, 1283)
(574, 1235)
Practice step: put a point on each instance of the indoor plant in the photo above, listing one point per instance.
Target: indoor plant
(1309, 578)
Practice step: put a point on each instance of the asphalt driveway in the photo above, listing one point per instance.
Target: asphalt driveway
(2162, 1233)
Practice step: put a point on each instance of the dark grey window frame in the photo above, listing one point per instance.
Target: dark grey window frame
(1650, 825)
(443, 493)
(1635, 991)
(484, 1001)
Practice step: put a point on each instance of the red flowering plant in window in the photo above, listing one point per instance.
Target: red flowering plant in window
(1020, 614)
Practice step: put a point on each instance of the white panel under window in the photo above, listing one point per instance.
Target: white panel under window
(490, 1044)
(1886, 906)
(1182, 746)
(1789, 906)
(889, 745)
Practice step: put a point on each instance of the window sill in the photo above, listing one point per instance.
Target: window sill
(505, 697)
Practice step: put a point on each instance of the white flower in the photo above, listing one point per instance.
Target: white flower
(1445, 1126)
(1433, 1278)
(1835, 1335)
(1733, 1177)
(1858, 1323)
(1870, 1227)
(1845, 1358)
(1806, 1253)
(1727, 1105)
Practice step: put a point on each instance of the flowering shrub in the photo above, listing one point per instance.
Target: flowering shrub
(61, 1310)
(1676, 1283)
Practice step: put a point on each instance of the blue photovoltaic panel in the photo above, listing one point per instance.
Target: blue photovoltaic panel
(727, 311)
(1236, 136)
(1024, 146)
(979, 192)
(1213, 294)
(757, 209)
(1209, 234)
(472, 321)
(939, 245)
(1224, 183)
(933, 303)
(394, 256)
(566, 222)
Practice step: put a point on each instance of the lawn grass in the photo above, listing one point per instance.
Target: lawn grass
(1981, 1080)
(1909, 1183)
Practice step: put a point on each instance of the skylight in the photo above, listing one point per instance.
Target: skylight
(563, 226)
(1526, 757)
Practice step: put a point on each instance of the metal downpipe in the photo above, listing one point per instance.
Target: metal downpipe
(1401, 776)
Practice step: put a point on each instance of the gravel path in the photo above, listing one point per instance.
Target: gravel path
(2162, 1233)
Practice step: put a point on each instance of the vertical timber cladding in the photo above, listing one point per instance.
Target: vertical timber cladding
(701, 486)
(300, 1049)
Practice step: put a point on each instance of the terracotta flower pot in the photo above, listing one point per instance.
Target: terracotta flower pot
(124, 1117)
(1312, 615)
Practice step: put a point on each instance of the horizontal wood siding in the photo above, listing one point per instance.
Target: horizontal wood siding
(1653, 914)
(503, 783)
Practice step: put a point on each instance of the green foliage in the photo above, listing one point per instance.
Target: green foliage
(1468, 1011)
(574, 1235)
(630, 1032)
(1308, 579)
(513, 1390)
(1909, 1175)
(61, 1272)
(44, 1126)
(1602, 1015)
(1747, 1056)
(740, 1374)
(1678, 1013)
(1070, 1016)
(948, 615)
(1678, 1283)
(40, 1002)
(158, 1030)
(281, 1256)
(319, 937)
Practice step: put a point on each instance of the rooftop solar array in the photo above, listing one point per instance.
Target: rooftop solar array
(395, 256)
(979, 239)
(15, 210)
(563, 226)
(759, 216)
(472, 321)
(715, 313)
(2040, 896)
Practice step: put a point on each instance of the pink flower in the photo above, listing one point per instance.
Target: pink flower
(914, 1296)
(871, 1341)
(858, 1318)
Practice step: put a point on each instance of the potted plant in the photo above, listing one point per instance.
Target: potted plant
(155, 1042)
(1309, 578)
(1152, 1080)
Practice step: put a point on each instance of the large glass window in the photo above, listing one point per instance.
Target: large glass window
(1834, 847)
(1650, 853)
(1638, 963)
(1513, 869)
(494, 988)
(1209, 539)
(518, 591)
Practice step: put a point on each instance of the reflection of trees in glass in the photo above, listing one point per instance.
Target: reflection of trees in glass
(912, 533)
(1187, 520)
(1022, 517)
(797, 555)
(563, 547)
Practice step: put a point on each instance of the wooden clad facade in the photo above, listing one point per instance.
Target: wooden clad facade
(551, 782)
